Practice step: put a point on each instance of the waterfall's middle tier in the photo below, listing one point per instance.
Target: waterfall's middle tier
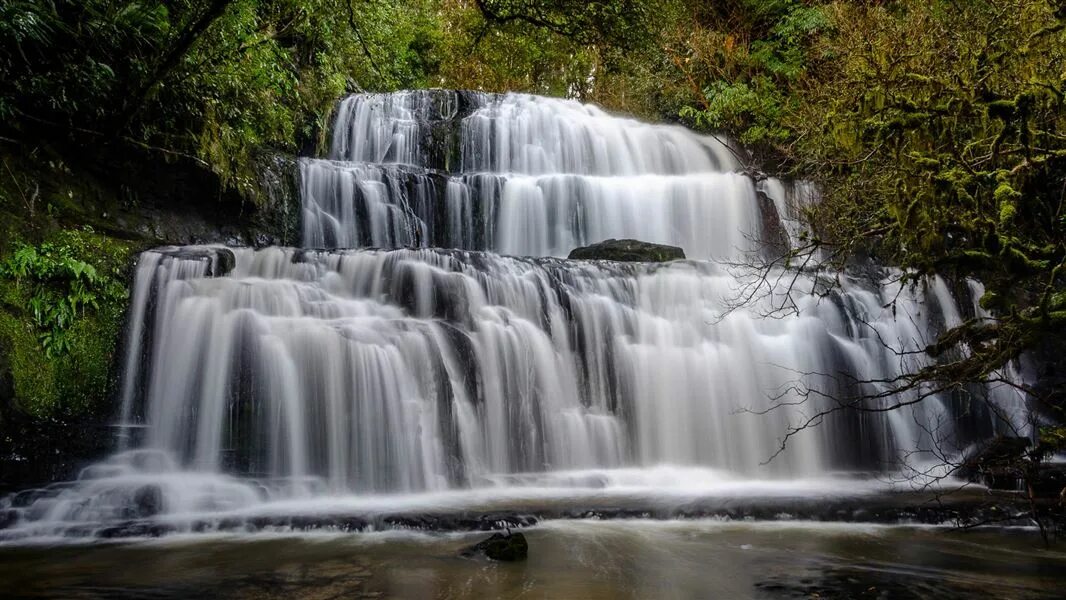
(349, 205)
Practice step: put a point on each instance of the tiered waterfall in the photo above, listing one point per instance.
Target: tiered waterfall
(430, 335)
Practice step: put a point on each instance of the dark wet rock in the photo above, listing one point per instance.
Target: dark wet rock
(356, 523)
(456, 522)
(501, 546)
(8, 518)
(28, 497)
(979, 507)
(231, 524)
(148, 501)
(1051, 482)
(276, 218)
(774, 237)
(995, 462)
(440, 114)
(225, 260)
(130, 529)
(628, 251)
(1002, 449)
(34, 452)
(220, 261)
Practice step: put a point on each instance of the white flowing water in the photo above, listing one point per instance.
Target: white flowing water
(520, 175)
(459, 354)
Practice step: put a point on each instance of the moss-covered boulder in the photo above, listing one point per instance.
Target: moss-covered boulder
(628, 251)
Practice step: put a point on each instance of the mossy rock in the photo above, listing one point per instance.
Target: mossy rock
(628, 251)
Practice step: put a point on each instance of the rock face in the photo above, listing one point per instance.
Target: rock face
(628, 251)
(506, 547)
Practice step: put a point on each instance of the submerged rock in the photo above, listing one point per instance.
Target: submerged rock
(148, 501)
(500, 546)
(9, 518)
(628, 251)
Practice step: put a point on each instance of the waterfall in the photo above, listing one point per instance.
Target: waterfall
(430, 337)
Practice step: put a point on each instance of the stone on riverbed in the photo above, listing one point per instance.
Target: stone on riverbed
(499, 546)
(628, 251)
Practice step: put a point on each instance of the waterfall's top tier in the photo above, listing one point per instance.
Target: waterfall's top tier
(522, 175)
(514, 133)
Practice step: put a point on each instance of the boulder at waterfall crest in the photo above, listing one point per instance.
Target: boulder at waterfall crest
(627, 251)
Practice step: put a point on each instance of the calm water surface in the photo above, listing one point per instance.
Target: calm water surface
(568, 559)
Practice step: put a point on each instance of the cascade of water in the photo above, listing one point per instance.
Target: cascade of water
(415, 370)
(547, 175)
(334, 370)
(517, 133)
(790, 200)
(389, 128)
(152, 294)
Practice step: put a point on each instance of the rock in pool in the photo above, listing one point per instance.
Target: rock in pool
(500, 546)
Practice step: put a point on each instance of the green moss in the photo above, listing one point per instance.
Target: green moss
(1006, 198)
(1001, 109)
(83, 374)
(35, 391)
(990, 301)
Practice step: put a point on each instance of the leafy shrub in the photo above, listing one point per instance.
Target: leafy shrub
(61, 285)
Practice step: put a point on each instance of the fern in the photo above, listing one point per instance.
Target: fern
(61, 286)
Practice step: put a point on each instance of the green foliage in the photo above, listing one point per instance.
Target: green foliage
(745, 55)
(619, 23)
(268, 73)
(752, 109)
(935, 132)
(947, 159)
(1052, 440)
(208, 79)
(510, 56)
(59, 286)
(213, 80)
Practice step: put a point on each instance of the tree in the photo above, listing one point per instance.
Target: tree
(935, 133)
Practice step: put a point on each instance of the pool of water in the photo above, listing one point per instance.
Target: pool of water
(567, 559)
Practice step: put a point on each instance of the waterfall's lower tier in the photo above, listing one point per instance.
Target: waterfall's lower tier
(417, 369)
(284, 374)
